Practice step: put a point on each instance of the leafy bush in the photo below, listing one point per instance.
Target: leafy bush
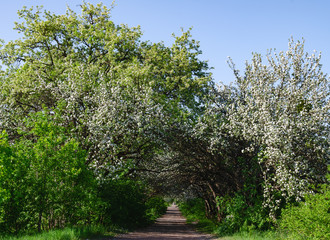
(156, 206)
(241, 216)
(309, 219)
(194, 211)
(124, 203)
(44, 182)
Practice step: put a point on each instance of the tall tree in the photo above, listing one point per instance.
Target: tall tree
(282, 108)
(113, 89)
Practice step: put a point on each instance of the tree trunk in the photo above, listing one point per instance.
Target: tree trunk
(217, 207)
(39, 221)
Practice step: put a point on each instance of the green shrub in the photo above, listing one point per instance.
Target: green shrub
(239, 215)
(193, 209)
(44, 181)
(124, 203)
(309, 219)
(156, 206)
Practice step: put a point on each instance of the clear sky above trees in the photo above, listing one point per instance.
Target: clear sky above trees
(224, 28)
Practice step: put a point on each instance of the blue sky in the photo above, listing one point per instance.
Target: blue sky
(234, 28)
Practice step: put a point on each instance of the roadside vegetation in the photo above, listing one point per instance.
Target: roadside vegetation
(74, 233)
(97, 126)
(308, 219)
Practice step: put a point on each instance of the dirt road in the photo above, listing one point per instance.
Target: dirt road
(170, 226)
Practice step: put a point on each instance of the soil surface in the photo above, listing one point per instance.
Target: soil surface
(170, 226)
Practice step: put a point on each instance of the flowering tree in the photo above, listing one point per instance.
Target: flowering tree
(112, 89)
(268, 135)
(151, 111)
(283, 110)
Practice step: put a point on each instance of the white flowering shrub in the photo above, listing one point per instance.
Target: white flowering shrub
(282, 108)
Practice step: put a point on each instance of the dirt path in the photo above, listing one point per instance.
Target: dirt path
(170, 226)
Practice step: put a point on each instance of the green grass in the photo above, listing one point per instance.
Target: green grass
(255, 235)
(193, 210)
(76, 233)
(208, 226)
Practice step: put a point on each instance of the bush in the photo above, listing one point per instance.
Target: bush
(44, 181)
(156, 206)
(124, 203)
(241, 215)
(193, 209)
(309, 219)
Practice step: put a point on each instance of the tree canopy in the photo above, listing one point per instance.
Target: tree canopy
(113, 89)
(86, 104)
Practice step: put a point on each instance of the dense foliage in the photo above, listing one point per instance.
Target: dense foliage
(96, 123)
(82, 104)
(309, 219)
(270, 137)
(44, 179)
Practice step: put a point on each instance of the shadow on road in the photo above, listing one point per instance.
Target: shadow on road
(170, 226)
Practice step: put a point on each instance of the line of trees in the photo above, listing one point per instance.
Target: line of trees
(82, 104)
(90, 113)
(259, 145)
